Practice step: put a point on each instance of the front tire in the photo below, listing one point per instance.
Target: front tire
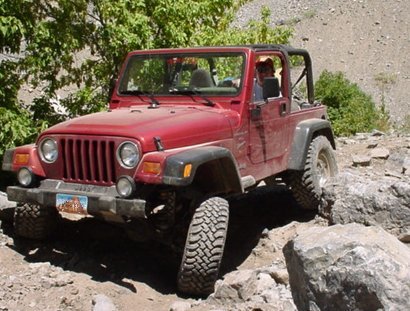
(320, 166)
(34, 221)
(204, 247)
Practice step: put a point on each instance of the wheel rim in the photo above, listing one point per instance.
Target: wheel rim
(323, 168)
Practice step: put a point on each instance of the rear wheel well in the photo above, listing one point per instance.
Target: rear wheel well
(327, 132)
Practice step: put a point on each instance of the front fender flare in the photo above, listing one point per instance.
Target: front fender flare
(175, 165)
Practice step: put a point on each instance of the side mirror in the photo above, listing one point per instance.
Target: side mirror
(270, 87)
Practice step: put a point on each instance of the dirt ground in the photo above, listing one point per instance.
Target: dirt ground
(87, 257)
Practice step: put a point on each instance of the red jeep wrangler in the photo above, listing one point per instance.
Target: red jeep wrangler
(182, 134)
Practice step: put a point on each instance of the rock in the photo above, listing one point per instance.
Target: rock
(249, 289)
(103, 303)
(4, 203)
(404, 237)
(361, 160)
(348, 267)
(372, 145)
(352, 198)
(6, 208)
(281, 276)
(380, 153)
(406, 166)
(377, 133)
(180, 306)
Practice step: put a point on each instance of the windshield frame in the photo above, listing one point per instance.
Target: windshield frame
(222, 87)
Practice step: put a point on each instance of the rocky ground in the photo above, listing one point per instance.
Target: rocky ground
(91, 265)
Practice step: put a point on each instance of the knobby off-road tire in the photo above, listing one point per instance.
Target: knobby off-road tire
(204, 247)
(320, 165)
(34, 221)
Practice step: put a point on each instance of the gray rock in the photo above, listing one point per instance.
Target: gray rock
(4, 203)
(380, 153)
(361, 160)
(349, 267)
(352, 198)
(249, 289)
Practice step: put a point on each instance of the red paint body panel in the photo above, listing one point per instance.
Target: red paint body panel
(34, 161)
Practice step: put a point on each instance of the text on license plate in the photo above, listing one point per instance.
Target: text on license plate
(74, 204)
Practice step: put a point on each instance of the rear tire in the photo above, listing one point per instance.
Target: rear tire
(34, 221)
(204, 247)
(320, 166)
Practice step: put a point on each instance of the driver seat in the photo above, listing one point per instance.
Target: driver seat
(201, 78)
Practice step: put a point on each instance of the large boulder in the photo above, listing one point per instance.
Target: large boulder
(385, 201)
(348, 267)
(4, 203)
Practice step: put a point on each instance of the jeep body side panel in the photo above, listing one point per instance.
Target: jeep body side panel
(304, 133)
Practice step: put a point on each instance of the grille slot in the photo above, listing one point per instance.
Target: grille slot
(88, 160)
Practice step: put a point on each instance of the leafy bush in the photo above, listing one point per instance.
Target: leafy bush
(17, 128)
(350, 109)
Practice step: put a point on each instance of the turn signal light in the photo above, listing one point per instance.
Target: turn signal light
(187, 170)
(151, 168)
(21, 158)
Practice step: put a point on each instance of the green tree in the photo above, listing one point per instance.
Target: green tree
(79, 45)
(52, 34)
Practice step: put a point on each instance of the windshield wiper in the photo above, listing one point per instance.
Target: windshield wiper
(154, 102)
(190, 92)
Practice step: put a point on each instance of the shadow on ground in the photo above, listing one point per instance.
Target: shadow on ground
(105, 253)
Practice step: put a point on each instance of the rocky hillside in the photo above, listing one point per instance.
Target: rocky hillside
(365, 39)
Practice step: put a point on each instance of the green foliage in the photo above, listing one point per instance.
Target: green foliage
(350, 109)
(80, 44)
(257, 31)
(17, 128)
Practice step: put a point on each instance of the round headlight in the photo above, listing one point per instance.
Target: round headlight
(48, 150)
(25, 177)
(128, 154)
(125, 186)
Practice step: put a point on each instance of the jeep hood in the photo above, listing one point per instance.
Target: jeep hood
(175, 126)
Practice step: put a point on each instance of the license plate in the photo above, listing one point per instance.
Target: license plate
(73, 204)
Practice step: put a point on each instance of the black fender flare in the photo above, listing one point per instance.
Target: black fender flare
(304, 134)
(175, 165)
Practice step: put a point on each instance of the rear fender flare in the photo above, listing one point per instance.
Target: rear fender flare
(305, 132)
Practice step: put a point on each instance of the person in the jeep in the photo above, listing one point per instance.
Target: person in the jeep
(264, 68)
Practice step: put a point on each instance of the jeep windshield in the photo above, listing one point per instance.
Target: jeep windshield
(203, 74)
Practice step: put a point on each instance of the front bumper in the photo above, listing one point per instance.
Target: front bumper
(101, 200)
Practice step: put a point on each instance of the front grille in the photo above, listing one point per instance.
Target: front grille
(88, 160)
